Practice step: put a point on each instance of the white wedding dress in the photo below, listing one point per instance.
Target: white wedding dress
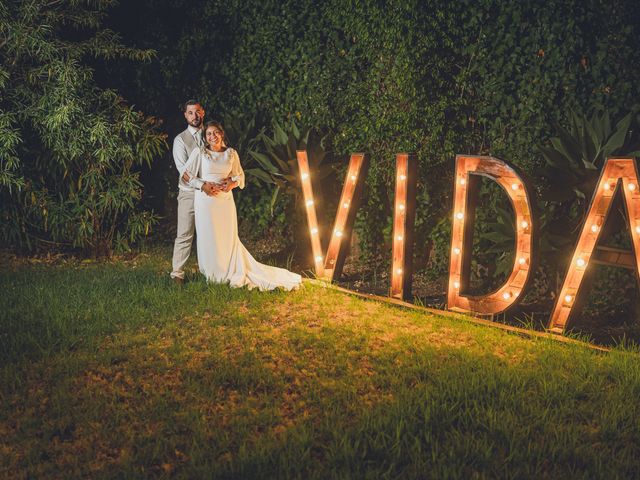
(221, 255)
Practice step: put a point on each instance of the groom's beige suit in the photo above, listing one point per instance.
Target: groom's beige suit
(185, 143)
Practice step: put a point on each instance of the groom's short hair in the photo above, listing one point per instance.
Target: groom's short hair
(189, 102)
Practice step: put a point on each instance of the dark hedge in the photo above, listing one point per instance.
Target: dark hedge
(437, 78)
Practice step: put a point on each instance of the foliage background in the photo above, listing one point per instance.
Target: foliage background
(436, 78)
(68, 149)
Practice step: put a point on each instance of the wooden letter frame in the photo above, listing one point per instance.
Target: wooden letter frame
(468, 170)
(616, 171)
(333, 263)
(403, 226)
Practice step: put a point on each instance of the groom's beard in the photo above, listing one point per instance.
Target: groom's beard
(196, 123)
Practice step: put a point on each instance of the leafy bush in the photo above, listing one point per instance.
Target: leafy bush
(69, 149)
(574, 159)
(278, 162)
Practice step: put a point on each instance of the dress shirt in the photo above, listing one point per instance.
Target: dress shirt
(181, 155)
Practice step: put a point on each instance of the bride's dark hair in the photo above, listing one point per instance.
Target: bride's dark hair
(218, 125)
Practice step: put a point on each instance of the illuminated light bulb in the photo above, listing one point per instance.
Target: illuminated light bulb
(353, 177)
(462, 181)
(522, 260)
(595, 228)
(403, 177)
(345, 205)
(459, 215)
(631, 187)
(305, 176)
(399, 238)
(401, 207)
(398, 271)
(309, 203)
(524, 224)
(318, 258)
(568, 298)
(506, 295)
(515, 186)
(607, 186)
(456, 251)
(456, 285)
(581, 262)
(638, 229)
(314, 230)
(338, 233)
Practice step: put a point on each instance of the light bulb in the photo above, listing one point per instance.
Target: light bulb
(401, 206)
(398, 271)
(399, 238)
(506, 295)
(305, 176)
(515, 186)
(631, 187)
(595, 228)
(522, 260)
(403, 177)
(314, 230)
(309, 203)
(338, 233)
(462, 181)
(459, 215)
(456, 251)
(345, 205)
(524, 224)
(638, 229)
(456, 285)
(568, 298)
(581, 262)
(353, 177)
(607, 186)
(318, 258)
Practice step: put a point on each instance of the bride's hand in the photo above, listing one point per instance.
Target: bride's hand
(228, 184)
(211, 189)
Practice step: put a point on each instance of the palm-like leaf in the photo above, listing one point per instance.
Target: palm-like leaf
(574, 158)
(276, 158)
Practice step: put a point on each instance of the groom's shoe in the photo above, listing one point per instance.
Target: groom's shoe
(178, 281)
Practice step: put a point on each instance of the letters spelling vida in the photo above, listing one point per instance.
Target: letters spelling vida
(618, 174)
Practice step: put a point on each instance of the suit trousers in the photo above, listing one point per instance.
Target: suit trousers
(184, 234)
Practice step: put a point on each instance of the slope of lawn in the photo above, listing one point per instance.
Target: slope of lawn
(108, 370)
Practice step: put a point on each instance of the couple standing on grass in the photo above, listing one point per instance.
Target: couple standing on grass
(208, 172)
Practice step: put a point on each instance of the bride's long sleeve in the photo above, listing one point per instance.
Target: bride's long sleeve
(192, 168)
(237, 174)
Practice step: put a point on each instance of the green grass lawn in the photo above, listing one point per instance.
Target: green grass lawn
(108, 370)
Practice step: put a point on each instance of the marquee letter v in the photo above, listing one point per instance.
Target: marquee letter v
(332, 265)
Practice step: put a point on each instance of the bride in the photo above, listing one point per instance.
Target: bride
(214, 170)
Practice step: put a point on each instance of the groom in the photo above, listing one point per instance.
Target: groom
(185, 143)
